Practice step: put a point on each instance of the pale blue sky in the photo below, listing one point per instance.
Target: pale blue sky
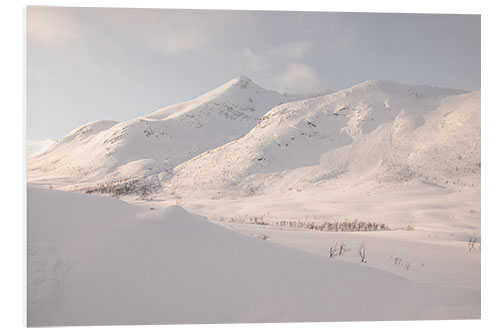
(86, 64)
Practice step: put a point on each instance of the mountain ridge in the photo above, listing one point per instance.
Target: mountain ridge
(366, 131)
(261, 140)
(158, 141)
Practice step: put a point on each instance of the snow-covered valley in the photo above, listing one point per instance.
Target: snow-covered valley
(100, 261)
(233, 206)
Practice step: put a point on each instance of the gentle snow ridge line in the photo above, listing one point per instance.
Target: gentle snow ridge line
(99, 261)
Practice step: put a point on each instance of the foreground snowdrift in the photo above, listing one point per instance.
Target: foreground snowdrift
(95, 260)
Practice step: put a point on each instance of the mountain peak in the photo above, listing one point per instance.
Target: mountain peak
(242, 78)
(240, 90)
(236, 85)
(240, 81)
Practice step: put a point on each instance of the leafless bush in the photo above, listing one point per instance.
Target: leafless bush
(338, 249)
(398, 261)
(333, 251)
(362, 253)
(472, 244)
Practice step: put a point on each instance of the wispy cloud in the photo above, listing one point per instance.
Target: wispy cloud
(171, 31)
(298, 78)
(279, 54)
(37, 146)
(51, 25)
(56, 35)
(284, 65)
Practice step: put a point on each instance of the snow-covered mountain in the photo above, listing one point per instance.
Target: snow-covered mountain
(262, 163)
(377, 131)
(240, 139)
(157, 142)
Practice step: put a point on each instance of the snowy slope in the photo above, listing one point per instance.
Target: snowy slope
(375, 133)
(157, 142)
(99, 261)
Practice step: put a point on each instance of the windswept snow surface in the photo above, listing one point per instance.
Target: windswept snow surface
(99, 261)
(155, 143)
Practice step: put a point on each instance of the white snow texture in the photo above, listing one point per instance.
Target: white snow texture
(405, 156)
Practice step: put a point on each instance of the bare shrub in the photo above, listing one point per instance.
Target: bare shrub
(362, 253)
(333, 251)
(338, 249)
(472, 244)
